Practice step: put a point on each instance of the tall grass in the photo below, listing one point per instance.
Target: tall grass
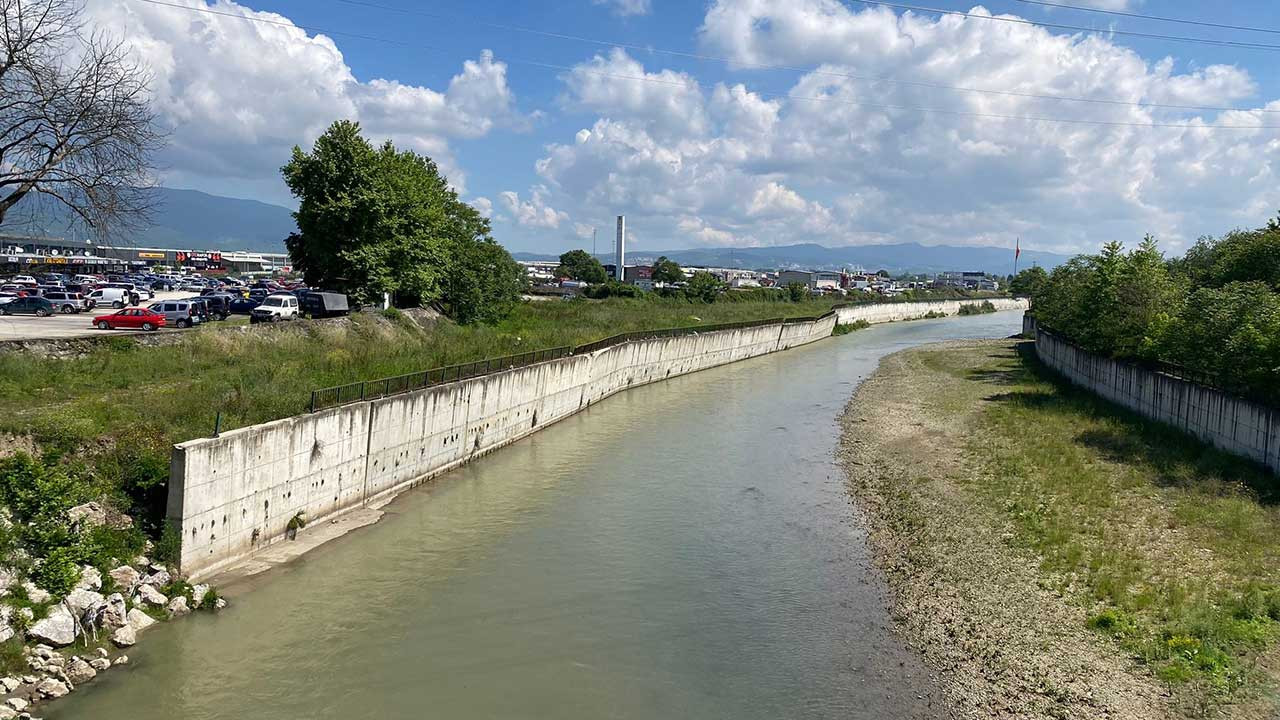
(173, 393)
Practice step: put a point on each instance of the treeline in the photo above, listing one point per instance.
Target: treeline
(1215, 311)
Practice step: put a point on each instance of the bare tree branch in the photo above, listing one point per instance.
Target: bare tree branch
(76, 123)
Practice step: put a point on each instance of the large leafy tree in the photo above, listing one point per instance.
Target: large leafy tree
(581, 265)
(667, 271)
(381, 220)
(1029, 282)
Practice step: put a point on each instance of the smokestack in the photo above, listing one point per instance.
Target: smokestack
(621, 250)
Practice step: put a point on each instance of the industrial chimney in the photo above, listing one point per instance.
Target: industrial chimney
(621, 250)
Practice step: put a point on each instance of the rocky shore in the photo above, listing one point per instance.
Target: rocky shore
(56, 645)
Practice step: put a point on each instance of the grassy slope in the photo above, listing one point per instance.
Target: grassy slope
(1167, 546)
(171, 394)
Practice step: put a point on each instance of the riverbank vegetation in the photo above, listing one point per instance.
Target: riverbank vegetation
(1104, 564)
(1215, 311)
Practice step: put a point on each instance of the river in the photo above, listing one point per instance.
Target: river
(685, 549)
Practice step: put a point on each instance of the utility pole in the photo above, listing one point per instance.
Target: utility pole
(593, 242)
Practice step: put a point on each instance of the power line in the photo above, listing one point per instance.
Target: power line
(785, 68)
(1077, 28)
(1121, 13)
(778, 95)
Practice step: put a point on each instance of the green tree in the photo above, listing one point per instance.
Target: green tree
(379, 220)
(484, 283)
(667, 271)
(1030, 282)
(797, 291)
(704, 286)
(580, 265)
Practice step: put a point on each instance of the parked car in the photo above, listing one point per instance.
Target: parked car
(219, 304)
(116, 297)
(67, 302)
(323, 304)
(244, 306)
(23, 280)
(29, 305)
(179, 313)
(130, 318)
(200, 306)
(275, 308)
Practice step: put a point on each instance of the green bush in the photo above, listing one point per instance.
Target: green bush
(57, 572)
(168, 548)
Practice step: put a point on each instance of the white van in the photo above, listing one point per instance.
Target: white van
(114, 296)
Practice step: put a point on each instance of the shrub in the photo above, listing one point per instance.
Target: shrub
(58, 572)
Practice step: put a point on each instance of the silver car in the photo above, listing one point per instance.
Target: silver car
(178, 313)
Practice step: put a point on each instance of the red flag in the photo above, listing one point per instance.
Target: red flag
(1017, 248)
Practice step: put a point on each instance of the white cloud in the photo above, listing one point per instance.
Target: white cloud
(626, 7)
(484, 205)
(721, 165)
(534, 212)
(239, 94)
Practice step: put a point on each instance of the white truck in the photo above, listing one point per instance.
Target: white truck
(281, 306)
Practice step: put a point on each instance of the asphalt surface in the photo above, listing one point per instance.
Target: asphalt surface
(60, 327)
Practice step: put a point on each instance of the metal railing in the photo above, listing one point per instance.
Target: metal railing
(383, 387)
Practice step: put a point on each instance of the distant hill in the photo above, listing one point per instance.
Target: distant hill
(186, 219)
(901, 257)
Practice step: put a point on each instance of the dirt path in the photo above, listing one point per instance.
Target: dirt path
(1004, 646)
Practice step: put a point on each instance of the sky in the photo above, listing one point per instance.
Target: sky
(745, 122)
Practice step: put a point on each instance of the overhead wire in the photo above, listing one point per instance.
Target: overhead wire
(1141, 16)
(777, 95)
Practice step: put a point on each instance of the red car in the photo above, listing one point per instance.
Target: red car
(136, 318)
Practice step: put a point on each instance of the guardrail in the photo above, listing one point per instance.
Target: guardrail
(383, 387)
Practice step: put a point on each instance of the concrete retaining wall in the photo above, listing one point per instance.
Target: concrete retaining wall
(1227, 422)
(894, 312)
(235, 494)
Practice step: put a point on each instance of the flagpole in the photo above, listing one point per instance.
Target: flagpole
(1017, 250)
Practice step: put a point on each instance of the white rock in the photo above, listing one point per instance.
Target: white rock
(102, 652)
(197, 594)
(221, 603)
(80, 672)
(124, 636)
(30, 679)
(88, 515)
(125, 576)
(122, 660)
(141, 560)
(90, 578)
(9, 683)
(8, 579)
(139, 620)
(17, 703)
(150, 596)
(59, 628)
(100, 664)
(178, 606)
(52, 688)
(8, 713)
(81, 600)
(6, 630)
(159, 578)
(116, 613)
(35, 594)
(27, 614)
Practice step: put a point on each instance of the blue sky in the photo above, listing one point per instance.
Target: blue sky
(701, 152)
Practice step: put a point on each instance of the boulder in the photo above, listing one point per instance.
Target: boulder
(17, 703)
(159, 578)
(116, 613)
(125, 576)
(8, 713)
(51, 688)
(90, 578)
(197, 594)
(9, 683)
(6, 630)
(81, 601)
(221, 603)
(80, 672)
(35, 594)
(100, 664)
(87, 516)
(139, 620)
(178, 606)
(124, 636)
(148, 595)
(58, 628)
(122, 660)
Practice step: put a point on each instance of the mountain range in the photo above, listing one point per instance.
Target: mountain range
(194, 220)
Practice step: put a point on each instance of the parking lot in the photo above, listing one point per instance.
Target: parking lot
(59, 327)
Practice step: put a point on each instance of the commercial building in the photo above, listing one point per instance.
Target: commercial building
(813, 279)
(22, 250)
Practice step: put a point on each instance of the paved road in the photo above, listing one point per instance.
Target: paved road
(57, 327)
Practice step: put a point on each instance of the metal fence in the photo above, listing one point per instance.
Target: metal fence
(383, 387)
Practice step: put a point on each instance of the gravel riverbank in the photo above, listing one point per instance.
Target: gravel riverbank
(1004, 645)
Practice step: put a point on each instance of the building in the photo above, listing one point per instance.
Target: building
(124, 257)
(967, 279)
(541, 272)
(639, 275)
(815, 280)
